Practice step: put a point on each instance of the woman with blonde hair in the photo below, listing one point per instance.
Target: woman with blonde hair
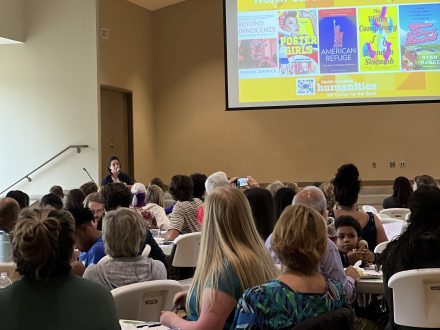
(232, 258)
(49, 296)
(301, 291)
(155, 204)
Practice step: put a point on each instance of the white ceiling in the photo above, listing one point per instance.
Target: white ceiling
(155, 4)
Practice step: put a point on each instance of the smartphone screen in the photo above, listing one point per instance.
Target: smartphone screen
(242, 182)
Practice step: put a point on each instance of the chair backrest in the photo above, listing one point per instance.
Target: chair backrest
(146, 251)
(407, 216)
(369, 208)
(416, 297)
(397, 213)
(380, 247)
(144, 301)
(186, 250)
(339, 319)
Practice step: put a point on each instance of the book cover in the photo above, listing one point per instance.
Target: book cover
(378, 35)
(338, 50)
(419, 42)
(298, 42)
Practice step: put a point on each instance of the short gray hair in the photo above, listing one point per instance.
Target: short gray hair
(123, 232)
(313, 197)
(216, 180)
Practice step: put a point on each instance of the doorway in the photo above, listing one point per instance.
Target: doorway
(116, 120)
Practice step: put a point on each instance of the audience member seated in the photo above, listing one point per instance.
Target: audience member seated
(401, 192)
(124, 232)
(198, 180)
(232, 258)
(115, 174)
(263, 210)
(418, 246)
(116, 195)
(138, 202)
(329, 192)
(214, 181)
(75, 198)
(9, 211)
(94, 203)
(183, 219)
(424, 180)
(293, 185)
(87, 238)
(330, 263)
(300, 292)
(347, 186)
(349, 242)
(49, 296)
(57, 190)
(21, 197)
(89, 188)
(275, 186)
(168, 199)
(155, 205)
(283, 198)
(51, 200)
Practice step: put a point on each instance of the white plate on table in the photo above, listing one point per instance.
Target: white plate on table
(135, 325)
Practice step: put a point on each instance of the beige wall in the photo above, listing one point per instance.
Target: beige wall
(195, 133)
(12, 19)
(126, 62)
(49, 96)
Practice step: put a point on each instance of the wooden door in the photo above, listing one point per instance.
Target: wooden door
(116, 128)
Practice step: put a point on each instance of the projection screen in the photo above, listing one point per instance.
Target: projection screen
(288, 53)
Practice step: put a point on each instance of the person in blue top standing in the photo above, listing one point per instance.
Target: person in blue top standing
(87, 238)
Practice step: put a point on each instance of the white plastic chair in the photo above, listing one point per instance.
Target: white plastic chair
(416, 297)
(186, 250)
(407, 216)
(144, 301)
(398, 213)
(380, 247)
(369, 208)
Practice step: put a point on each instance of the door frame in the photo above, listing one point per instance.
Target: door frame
(129, 99)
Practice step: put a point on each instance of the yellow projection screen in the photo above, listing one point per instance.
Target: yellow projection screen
(288, 53)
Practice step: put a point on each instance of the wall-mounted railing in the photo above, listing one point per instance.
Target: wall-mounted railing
(28, 176)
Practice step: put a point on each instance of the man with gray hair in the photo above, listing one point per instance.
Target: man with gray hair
(331, 264)
(9, 211)
(216, 180)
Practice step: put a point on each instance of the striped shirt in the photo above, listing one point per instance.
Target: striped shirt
(184, 216)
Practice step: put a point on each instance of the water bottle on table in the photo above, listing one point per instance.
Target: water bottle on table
(4, 280)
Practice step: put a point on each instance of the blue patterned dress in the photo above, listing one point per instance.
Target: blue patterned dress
(275, 306)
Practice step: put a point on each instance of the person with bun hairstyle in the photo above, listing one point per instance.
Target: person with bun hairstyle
(347, 186)
(49, 296)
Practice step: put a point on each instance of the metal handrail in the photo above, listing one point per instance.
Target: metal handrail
(27, 176)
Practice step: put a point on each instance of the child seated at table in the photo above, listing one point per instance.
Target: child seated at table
(350, 245)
